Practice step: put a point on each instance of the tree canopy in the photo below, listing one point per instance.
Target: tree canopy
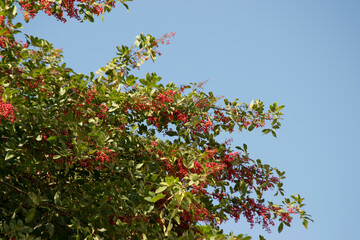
(112, 156)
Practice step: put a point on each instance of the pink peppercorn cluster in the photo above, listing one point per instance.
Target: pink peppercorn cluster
(70, 7)
(6, 111)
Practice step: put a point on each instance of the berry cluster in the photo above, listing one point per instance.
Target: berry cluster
(6, 110)
(57, 9)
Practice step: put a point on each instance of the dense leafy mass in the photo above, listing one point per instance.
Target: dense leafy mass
(111, 156)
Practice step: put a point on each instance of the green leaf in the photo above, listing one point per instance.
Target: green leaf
(144, 82)
(273, 133)
(20, 223)
(50, 229)
(57, 197)
(280, 228)
(139, 165)
(126, 6)
(30, 216)
(14, 10)
(251, 104)
(149, 199)
(305, 223)
(34, 198)
(2, 4)
(245, 147)
(273, 107)
(168, 229)
(261, 237)
(89, 16)
(266, 131)
(161, 189)
(9, 155)
(158, 197)
(171, 133)
(51, 139)
(18, 25)
(62, 91)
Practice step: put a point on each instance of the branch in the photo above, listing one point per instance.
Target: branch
(13, 187)
(43, 203)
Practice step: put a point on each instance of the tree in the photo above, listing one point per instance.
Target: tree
(108, 155)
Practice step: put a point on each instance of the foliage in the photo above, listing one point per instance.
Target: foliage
(111, 156)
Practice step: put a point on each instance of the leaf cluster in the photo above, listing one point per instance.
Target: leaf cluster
(111, 156)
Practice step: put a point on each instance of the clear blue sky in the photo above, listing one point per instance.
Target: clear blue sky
(303, 54)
